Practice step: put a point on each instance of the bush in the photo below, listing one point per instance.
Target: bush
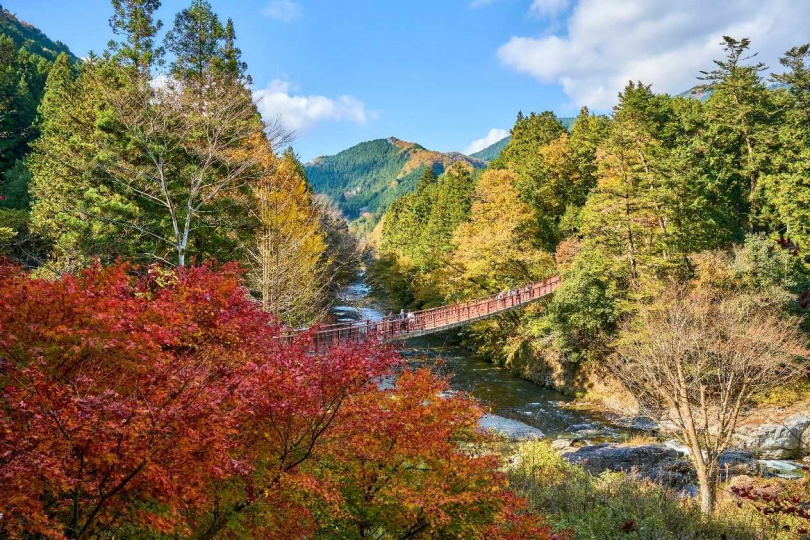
(619, 506)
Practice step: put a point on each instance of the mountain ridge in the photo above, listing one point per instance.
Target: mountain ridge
(25, 34)
(365, 178)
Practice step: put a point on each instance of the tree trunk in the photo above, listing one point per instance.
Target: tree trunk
(708, 491)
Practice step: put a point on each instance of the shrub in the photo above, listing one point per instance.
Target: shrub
(616, 505)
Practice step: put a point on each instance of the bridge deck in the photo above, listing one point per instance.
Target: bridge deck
(431, 321)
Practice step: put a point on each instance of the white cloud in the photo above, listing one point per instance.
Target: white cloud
(548, 8)
(606, 43)
(491, 138)
(301, 113)
(284, 10)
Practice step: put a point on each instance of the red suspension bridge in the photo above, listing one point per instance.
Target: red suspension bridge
(431, 321)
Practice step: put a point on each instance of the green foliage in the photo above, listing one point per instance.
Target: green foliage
(760, 265)
(527, 135)
(14, 188)
(366, 178)
(31, 38)
(22, 83)
(661, 191)
(420, 225)
(586, 307)
(618, 506)
(134, 19)
(741, 119)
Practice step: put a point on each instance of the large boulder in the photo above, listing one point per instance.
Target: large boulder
(657, 462)
(654, 461)
(789, 439)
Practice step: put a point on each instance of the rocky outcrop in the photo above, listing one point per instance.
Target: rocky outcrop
(653, 461)
(786, 440)
(657, 462)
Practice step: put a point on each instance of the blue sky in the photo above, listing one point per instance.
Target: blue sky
(445, 73)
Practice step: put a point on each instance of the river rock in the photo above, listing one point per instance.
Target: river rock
(660, 463)
(562, 444)
(739, 462)
(790, 439)
(653, 461)
(511, 429)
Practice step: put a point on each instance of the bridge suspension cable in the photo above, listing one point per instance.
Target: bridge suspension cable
(430, 321)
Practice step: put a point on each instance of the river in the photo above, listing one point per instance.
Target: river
(507, 395)
(519, 408)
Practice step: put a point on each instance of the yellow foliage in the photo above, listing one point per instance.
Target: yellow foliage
(497, 247)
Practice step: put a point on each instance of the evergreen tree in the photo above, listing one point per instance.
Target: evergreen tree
(232, 64)
(134, 19)
(787, 188)
(195, 40)
(528, 134)
(740, 115)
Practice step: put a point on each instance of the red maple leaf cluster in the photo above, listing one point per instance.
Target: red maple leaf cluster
(143, 399)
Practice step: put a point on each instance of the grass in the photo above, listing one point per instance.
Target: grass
(788, 395)
(619, 506)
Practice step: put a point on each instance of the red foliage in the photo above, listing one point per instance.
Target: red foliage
(134, 400)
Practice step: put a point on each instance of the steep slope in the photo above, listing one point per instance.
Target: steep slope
(364, 179)
(26, 35)
(492, 151)
(26, 56)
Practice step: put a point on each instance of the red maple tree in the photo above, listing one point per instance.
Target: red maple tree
(139, 399)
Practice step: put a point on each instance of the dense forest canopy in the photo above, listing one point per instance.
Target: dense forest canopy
(666, 220)
(364, 179)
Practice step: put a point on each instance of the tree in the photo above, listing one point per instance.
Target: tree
(288, 260)
(71, 210)
(498, 246)
(741, 117)
(135, 20)
(195, 40)
(190, 417)
(408, 474)
(528, 134)
(786, 188)
(700, 361)
(160, 173)
(153, 401)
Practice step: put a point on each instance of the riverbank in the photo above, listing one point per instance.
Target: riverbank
(523, 409)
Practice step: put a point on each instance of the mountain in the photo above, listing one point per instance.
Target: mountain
(364, 179)
(699, 93)
(492, 151)
(26, 56)
(25, 35)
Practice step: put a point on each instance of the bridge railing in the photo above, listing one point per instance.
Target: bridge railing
(423, 321)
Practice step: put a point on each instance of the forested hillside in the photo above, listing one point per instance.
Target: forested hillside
(364, 179)
(666, 191)
(679, 227)
(30, 37)
(26, 56)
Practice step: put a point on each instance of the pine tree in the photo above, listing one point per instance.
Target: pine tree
(134, 19)
(787, 187)
(195, 40)
(741, 117)
(232, 64)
